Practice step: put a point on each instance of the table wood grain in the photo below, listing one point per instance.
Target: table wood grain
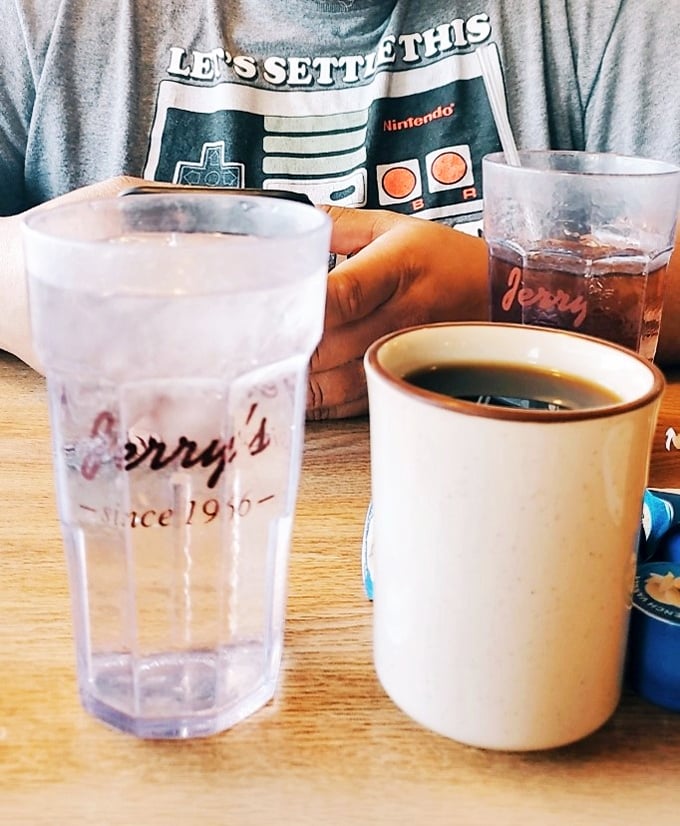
(331, 748)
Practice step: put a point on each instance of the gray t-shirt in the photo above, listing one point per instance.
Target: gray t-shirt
(375, 103)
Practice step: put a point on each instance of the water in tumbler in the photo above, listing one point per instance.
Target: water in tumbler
(177, 457)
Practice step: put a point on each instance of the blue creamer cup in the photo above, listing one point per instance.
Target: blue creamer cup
(653, 668)
(660, 518)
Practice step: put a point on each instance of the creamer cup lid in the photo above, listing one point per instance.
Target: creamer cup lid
(657, 591)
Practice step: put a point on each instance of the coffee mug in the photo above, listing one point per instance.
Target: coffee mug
(508, 467)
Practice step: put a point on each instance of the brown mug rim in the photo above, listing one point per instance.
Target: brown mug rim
(371, 359)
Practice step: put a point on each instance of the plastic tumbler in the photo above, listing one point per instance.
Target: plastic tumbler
(581, 241)
(175, 332)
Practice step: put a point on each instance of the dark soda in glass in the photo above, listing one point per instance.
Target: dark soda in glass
(604, 292)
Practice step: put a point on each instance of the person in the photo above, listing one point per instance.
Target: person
(377, 109)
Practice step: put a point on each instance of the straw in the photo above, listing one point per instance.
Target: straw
(493, 82)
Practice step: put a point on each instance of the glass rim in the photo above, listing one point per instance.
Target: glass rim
(46, 222)
(630, 166)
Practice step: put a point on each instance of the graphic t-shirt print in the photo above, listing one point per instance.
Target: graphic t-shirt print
(404, 127)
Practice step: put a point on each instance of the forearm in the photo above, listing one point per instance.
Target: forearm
(468, 288)
(668, 352)
(15, 335)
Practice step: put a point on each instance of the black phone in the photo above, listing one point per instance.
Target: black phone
(160, 188)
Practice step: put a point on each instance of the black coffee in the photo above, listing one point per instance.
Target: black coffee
(512, 386)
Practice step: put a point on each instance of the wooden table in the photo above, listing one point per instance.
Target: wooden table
(331, 748)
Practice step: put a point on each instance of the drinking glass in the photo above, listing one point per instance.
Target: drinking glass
(581, 241)
(175, 332)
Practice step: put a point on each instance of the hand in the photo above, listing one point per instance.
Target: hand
(402, 271)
